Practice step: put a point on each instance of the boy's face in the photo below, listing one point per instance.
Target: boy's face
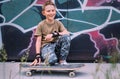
(49, 12)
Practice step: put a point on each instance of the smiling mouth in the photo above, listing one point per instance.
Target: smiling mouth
(51, 15)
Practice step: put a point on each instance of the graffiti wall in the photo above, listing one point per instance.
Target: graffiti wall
(94, 27)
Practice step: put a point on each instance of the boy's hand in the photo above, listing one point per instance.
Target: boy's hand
(48, 37)
(37, 60)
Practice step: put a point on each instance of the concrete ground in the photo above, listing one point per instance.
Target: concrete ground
(12, 70)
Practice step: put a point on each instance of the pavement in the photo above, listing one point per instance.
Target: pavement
(12, 70)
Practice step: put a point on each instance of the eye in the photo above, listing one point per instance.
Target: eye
(53, 10)
(48, 10)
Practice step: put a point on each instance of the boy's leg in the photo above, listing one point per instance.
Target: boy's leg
(48, 54)
(62, 47)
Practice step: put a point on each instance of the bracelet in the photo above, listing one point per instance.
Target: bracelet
(38, 56)
(55, 34)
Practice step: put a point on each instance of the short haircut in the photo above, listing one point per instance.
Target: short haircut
(49, 2)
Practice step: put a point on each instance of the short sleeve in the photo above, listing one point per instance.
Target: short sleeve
(38, 31)
(61, 27)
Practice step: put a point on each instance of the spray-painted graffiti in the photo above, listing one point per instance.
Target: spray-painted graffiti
(94, 26)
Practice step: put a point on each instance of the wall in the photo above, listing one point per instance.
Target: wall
(94, 26)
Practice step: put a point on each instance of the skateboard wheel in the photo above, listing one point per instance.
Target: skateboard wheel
(28, 73)
(33, 71)
(71, 74)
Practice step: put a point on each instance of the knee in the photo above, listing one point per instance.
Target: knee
(66, 37)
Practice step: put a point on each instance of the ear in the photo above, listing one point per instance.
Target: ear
(43, 12)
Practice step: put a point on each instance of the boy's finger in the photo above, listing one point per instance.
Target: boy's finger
(34, 63)
(39, 61)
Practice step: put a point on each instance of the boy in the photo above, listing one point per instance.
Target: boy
(53, 40)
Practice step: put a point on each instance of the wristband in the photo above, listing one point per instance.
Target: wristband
(55, 34)
(37, 56)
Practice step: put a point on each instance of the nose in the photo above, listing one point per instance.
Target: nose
(52, 13)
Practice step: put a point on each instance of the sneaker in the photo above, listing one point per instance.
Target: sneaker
(63, 63)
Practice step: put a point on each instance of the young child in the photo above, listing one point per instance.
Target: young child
(53, 40)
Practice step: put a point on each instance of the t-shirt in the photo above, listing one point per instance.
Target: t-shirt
(45, 28)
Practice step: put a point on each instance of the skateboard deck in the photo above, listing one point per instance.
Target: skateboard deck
(70, 68)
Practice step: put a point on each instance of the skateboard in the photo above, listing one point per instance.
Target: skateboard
(70, 68)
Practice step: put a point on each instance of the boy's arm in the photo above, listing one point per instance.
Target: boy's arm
(64, 32)
(38, 46)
